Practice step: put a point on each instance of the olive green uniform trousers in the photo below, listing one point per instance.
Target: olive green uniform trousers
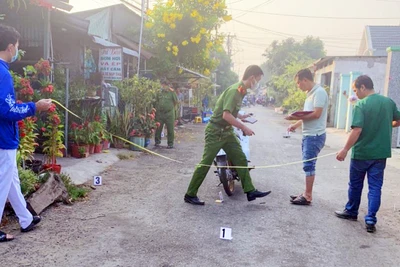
(168, 119)
(217, 137)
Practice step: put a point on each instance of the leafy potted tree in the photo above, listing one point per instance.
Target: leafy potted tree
(27, 144)
(54, 140)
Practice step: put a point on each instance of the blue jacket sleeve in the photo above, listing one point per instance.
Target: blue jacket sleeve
(9, 109)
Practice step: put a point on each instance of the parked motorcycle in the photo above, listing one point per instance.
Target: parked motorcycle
(227, 175)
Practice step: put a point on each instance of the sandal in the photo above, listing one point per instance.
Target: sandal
(293, 197)
(300, 200)
(5, 237)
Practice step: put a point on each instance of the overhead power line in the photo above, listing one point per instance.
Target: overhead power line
(266, 45)
(314, 17)
(289, 34)
(251, 9)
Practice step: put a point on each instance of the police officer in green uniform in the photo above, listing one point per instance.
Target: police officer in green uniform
(166, 113)
(219, 134)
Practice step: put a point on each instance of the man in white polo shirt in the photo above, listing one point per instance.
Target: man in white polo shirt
(314, 127)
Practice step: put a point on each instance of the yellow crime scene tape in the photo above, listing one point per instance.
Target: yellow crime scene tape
(201, 165)
(123, 139)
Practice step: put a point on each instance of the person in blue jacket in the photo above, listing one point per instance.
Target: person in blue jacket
(10, 114)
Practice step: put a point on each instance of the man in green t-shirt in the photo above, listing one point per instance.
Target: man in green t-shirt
(219, 134)
(166, 103)
(374, 116)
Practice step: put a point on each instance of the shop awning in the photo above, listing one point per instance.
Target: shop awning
(60, 4)
(146, 54)
(130, 52)
(106, 43)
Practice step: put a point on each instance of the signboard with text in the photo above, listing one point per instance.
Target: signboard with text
(110, 63)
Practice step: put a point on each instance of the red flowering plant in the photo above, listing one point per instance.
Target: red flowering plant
(40, 3)
(53, 132)
(46, 88)
(75, 133)
(79, 133)
(43, 67)
(27, 139)
(146, 125)
(23, 87)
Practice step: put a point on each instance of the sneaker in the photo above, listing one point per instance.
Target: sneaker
(345, 215)
(370, 228)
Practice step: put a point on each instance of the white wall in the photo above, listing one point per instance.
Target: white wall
(373, 67)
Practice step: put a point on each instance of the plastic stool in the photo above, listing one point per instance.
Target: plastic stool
(197, 119)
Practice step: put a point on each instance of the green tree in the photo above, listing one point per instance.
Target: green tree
(225, 75)
(284, 59)
(290, 96)
(185, 33)
(280, 54)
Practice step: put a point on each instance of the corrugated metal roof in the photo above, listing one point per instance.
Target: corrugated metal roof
(383, 37)
(100, 24)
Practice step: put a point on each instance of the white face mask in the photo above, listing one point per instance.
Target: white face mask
(254, 85)
(15, 57)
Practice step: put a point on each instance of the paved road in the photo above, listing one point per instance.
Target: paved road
(138, 217)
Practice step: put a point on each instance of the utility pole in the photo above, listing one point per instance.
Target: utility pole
(229, 42)
(141, 37)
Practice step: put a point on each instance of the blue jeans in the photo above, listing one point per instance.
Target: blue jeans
(374, 170)
(311, 146)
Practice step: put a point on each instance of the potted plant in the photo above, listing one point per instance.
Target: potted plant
(82, 152)
(78, 134)
(149, 126)
(23, 87)
(27, 144)
(120, 124)
(106, 138)
(136, 136)
(54, 140)
(96, 129)
(46, 88)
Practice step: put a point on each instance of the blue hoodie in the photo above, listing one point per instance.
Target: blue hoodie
(10, 112)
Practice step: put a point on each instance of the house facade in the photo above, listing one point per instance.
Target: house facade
(329, 71)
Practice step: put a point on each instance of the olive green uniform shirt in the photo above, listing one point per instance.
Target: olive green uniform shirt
(230, 100)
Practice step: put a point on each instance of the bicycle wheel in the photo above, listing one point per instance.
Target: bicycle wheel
(229, 185)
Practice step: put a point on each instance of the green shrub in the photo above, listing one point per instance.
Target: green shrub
(75, 192)
(28, 181)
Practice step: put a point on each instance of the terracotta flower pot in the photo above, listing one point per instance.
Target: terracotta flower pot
(106, 144)
(91, 149)
(98, 148)
(52, 167)
(76, 151)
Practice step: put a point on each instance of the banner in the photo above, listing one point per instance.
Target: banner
(111, 64)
